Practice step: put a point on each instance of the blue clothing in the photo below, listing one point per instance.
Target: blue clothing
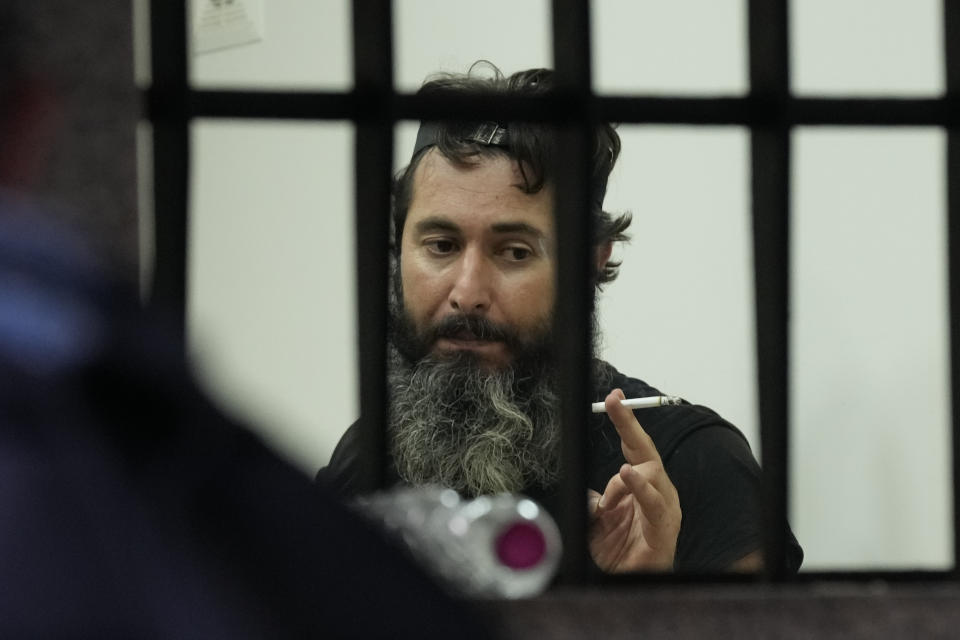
(132, 508)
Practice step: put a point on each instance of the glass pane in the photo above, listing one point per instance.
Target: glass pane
(867, 47)
(271, 286)
(679, 47)
(450, 35)
(302, 44)
(680, 316)
(870, 414)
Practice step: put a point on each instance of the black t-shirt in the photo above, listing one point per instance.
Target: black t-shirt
(707, 459)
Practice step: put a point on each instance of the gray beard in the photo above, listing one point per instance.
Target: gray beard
(457, 424)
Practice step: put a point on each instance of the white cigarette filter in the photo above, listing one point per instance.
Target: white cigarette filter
(640, 403)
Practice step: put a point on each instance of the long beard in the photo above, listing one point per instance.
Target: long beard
(460, 424)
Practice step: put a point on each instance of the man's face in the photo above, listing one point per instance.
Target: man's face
(475, 245)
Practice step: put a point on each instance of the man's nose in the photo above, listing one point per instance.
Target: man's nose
(471, 292)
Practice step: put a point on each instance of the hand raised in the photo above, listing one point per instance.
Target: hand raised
(635, 523)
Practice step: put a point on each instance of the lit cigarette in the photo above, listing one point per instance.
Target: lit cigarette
(640, 403)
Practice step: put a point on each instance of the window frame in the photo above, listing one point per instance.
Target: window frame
(770, 111)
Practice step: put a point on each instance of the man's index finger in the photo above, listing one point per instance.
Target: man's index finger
(637, 446)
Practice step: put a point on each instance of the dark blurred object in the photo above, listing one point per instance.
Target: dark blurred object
(132, 508)
(129, 506)
(70, 63)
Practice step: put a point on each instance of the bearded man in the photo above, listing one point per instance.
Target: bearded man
(472, 385)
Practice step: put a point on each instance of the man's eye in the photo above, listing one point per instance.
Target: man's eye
(441, 247)
(517, 254)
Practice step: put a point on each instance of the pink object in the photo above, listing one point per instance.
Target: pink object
(521, 545)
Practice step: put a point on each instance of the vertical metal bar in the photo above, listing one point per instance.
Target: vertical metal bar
(951, 38)
(571, 47)
(171, 156)
(373, 78)
(770, 158)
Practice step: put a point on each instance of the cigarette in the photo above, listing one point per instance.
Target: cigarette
(640, 403)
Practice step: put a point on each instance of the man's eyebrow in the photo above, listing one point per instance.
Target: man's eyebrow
(436, 223)
(517, 227)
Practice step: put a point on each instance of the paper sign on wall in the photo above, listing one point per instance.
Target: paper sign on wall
(218, 24)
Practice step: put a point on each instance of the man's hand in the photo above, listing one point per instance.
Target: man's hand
(635, 523)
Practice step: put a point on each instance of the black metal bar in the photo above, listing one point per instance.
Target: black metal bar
(951, 42)
(805, 577)
(571, 46)
(771, 172)
(770, 180)
(951, 31)
(872, 111)
(373, 77)
(171, 157)
(742, 111)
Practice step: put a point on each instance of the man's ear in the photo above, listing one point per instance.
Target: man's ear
(602, 256)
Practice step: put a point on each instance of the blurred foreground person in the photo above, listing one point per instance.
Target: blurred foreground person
(130, 506)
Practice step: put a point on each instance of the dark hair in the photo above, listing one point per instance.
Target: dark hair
(530, 144)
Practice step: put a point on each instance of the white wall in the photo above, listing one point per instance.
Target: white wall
(271, 295)
(271, 281)
(870, 382)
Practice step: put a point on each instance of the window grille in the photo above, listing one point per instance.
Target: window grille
(769, 110)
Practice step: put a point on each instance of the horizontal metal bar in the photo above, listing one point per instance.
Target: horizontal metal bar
(559, 108)
(754, 111)
(804, 577)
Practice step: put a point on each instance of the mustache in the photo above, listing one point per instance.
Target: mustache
(473, 326)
